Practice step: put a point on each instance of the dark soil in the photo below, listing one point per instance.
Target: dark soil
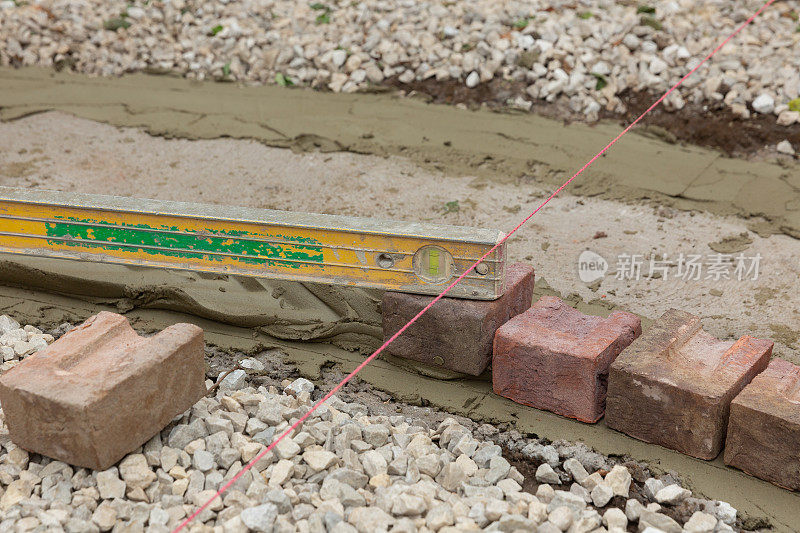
(708, 125)
(681, 513)
(714, 125)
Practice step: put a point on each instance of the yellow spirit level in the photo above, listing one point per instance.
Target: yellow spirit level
(401, 256)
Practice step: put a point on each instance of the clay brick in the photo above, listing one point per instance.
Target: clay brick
(101, 390)
(764, 427)
(555, 358)
(673, 386)
(455, 334)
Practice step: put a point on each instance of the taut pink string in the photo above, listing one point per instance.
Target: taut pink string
(453, 284)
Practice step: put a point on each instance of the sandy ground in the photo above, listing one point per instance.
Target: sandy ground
(501, 147)
(56, 150)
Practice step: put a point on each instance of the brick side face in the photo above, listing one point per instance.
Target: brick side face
(555, 358)
(455, 334)
(764, 427)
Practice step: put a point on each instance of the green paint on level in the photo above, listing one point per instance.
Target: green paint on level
(196, 246)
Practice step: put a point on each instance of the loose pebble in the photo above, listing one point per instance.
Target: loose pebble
(584, 56)
(344, 470)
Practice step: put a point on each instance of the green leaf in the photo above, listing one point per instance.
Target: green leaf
(216, 29)
(282, 80)
(794, 105)
(323, 18)
(452, 207)
(585, 15)
(521, 24)
(226, 69)
(601, 81)
(646, 9)
(650, 21)
(317, 6)
(116, 23)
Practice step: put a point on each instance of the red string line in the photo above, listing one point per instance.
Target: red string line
(453, 284)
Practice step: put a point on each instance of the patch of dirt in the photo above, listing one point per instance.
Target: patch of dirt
(708, 125)
(494, 93)
(527, 468)
(714, 126)
(732, 243)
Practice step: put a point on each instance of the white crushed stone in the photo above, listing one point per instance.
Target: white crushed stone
(581, 54)
(785, 147)
(343, 471)
(672, 495)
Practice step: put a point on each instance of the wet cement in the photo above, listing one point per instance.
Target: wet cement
(501, 147)
(344, 316)
(756, 500)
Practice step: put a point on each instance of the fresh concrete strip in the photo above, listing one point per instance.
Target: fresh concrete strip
(81, 154)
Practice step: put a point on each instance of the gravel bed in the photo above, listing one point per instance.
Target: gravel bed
(584, 54)
(353, 466)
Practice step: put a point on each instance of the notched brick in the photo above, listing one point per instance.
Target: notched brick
(455, 333)
(673, 386)
(555, 358)
(101, 390)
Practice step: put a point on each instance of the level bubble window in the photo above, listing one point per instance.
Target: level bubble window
(433, 264)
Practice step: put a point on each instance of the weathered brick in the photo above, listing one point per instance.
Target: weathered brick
(673, 386)
(101, 390)
(455, 334)
(555, 358)
(764, 427)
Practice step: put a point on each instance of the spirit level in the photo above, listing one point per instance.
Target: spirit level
(408, 257)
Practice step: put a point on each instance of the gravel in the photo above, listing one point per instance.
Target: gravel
(785, 147)
(352, 467)
(582, 54)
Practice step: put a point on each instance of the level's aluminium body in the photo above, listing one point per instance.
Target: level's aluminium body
(409, 257)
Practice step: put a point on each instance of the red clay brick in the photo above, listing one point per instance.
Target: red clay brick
(455, 334)
(764, 427)
(101, 390)
(555, 358)
(674, 385)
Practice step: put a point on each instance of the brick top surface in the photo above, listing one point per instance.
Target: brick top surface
(775, 391)
(554, 325)
(99, 358)
(677, 352)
